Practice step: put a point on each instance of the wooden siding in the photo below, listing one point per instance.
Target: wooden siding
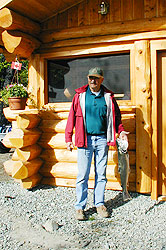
(86, 13)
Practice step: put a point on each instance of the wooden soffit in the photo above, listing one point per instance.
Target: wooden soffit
(38, 10)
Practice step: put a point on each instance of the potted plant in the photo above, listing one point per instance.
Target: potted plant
(15, 95)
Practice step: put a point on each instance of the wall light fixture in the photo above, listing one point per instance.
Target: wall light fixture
(103, 8)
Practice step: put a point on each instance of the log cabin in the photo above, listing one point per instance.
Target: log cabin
(61, 40)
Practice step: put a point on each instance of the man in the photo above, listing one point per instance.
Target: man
(96, 117)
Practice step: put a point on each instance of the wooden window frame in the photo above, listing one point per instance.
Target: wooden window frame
(94, 51)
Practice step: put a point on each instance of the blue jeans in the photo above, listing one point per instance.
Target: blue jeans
(97, 144)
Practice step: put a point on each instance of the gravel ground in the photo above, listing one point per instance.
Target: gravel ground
(44, 219)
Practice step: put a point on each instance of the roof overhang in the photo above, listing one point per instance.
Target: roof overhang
(38, 10)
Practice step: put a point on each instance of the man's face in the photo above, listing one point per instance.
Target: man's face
(95, 83)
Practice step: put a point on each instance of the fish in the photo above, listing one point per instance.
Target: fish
(123, 167)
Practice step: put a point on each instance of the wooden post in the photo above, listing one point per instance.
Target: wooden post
(36, 81)
(154, 193)
(158, 116)
(143, 116)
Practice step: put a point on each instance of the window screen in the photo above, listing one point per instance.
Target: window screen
(64, 76)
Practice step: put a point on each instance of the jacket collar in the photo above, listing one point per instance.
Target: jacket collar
(85, 87)
(82, 89)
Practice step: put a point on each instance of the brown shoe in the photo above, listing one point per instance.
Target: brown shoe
(102, 211)
(80, 214)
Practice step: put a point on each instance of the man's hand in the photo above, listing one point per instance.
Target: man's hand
(70, 146)
(123, 135)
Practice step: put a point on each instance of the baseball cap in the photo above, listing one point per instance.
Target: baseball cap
(95, 72)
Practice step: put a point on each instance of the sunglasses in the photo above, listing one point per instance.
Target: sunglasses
(94, 78)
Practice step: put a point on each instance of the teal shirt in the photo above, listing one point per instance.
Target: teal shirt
(95, 113)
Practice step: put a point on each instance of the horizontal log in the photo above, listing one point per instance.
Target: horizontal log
(59, 155)
(19, 43)
(65, 107)
(11, 115)
(22, 138)
(27, 121)
(31, 181)
(51, 115)
(57, 107)
(107, 39)
(22, 170)
(69, 171)
(11, 20)
(52, 140)
(128, 121)
(27, 154)
(59, 126)
(49, 126)
(64, 155)
(127, 109)
(72, 183)
(115, 28)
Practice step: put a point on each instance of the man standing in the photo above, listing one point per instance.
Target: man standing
(96, 117)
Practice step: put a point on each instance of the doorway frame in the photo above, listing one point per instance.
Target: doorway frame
(155, 47)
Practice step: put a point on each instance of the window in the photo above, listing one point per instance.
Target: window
(64, 76)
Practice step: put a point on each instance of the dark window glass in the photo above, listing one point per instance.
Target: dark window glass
(64, 76)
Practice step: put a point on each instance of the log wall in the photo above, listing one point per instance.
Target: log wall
(41, 156)
(60, 165)
(25, 162)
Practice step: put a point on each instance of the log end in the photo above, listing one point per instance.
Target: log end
(8, 167)
(19, 171)
(5, 18)
(31, 181)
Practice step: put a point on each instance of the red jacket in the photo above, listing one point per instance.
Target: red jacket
(77, 118)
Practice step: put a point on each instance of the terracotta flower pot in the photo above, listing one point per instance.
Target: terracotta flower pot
(16, 103)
